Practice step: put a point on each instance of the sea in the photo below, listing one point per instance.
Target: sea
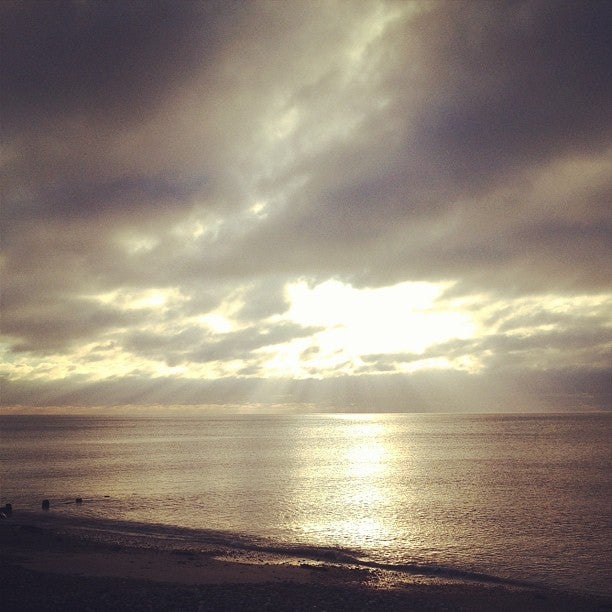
(515, 497)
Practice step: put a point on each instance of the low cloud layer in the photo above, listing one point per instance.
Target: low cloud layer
(170, 170)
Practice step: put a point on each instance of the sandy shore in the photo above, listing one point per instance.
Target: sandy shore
(46, 569)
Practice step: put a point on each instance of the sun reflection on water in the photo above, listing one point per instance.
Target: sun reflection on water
(365, 459)
(351, 508)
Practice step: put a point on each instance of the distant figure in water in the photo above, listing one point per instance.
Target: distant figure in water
(45, 504)
(78, 500)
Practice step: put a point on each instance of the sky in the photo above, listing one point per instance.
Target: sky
(319, 205)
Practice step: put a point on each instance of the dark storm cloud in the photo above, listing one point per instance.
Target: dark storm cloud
(63, 58)
(520, 81)
(125, 194)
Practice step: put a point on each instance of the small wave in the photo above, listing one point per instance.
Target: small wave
(167, 537)
(443, 571)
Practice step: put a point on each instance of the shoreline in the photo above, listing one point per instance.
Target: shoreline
(47, 567)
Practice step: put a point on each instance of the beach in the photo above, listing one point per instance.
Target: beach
(52, 568)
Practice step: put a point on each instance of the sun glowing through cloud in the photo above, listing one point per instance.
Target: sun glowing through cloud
(404, 318)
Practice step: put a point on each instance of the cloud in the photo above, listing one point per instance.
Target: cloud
(48, 329)
(196, 345)
(561, 390)
(165, 164)
(64, 58)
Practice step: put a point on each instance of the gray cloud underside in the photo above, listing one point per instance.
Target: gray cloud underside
(574, 347)
(467, 142)
(196, 346)
(566, 389)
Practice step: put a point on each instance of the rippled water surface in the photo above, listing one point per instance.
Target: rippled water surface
(524, 497)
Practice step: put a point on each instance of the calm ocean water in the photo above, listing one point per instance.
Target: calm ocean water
(520, 497)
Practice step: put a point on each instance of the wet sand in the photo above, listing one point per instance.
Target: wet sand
(49, 569)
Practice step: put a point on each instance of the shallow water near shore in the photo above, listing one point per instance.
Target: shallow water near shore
(518, 498)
